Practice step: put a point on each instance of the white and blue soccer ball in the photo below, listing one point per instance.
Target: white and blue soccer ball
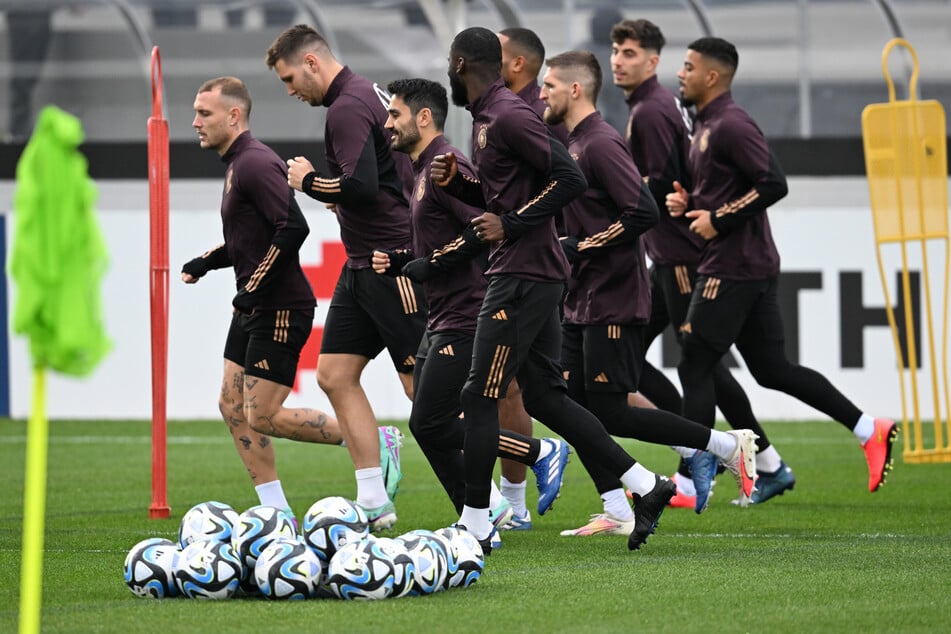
(429, 561)
(208, 570)
(256, 528)
(287, 569)
(361, 571)
(206, 521)
(331, 523)
(468, 558)
(448, 556)
(403, 565)
(149, 568)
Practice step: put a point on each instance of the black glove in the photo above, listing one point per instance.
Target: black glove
(197, 267)
(570, 246)
(420, 270)
(398, 259)
(243, 302)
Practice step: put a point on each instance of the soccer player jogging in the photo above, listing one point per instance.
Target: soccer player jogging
(735, 179)
(524, 176)
(417, 114)
(274, 306)
(657, 137)
(368, 312)
(522, 57)
(608, 301)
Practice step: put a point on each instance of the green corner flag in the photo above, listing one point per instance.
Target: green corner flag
(57, 260)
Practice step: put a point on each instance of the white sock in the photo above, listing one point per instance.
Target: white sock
(638, 479)
(272, 494)
(722, 445)
(476, 521)
(685, 485)
(546, 448)
(768, 460)
(684, 452)
(514, 492)
(371, 492)
(617, 506)
(495, 496)
(864, 428)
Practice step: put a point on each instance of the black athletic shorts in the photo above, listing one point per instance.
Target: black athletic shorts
(267, 343)
(370, 312)
(671, 290)
(518, 334)
(724, 312)
(611, 357)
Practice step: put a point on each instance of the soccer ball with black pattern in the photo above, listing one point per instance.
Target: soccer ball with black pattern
(332, 522)
(208, 570)
(429, 561)
(403, 566)
(469, 560)
(207, 521)
(149, 568)
(361, 571)
(449, 554)
(287, 569)
(256, 528)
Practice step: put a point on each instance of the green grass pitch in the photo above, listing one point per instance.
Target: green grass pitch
(826, 557)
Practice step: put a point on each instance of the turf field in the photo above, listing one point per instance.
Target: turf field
(827, 557)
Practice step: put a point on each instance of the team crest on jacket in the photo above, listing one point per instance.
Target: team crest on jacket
(575, 156)
(228, 177)
(705, 140)
(421, 189)
(483, 135)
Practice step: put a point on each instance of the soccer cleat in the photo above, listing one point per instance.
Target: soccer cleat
(703, 469)
(549, 472)
(742, 464)
(495, 539)
(391, 439)
(382, 517)
(488, 543)
(878, 452)
(501, 514)
(601, 524)
(772, 484)
(648, 509)
(519, 522)
(683, 501)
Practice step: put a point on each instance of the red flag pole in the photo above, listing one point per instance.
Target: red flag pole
(158, 279)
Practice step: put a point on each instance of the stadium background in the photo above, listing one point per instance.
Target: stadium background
(807, 68)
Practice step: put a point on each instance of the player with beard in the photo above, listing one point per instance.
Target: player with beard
(735, 179)
(417, 114)
(523, 176)
(658, 139)
(274, 307)
(603, 329)
(368, 312)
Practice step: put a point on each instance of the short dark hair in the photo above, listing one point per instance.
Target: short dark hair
(479, 47)
(292, 42)
(422, 93)
(527, 42)
(231, 87)
(719, 49)
(644, 32)
(584, 62)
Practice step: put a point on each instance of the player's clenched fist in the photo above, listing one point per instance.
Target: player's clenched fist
(297, 168)
(443, 168)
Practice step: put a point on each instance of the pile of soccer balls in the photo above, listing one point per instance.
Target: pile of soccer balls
(259, 552)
